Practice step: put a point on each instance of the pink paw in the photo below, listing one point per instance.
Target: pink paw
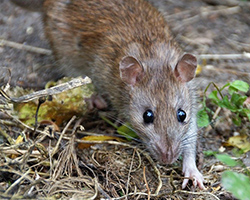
(96, 101)
(195, 175)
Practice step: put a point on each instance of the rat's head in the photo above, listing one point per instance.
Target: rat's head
(160, 104)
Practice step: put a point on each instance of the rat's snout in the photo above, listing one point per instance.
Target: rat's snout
(167, 154)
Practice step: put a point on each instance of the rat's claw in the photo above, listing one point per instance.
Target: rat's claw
(196, 177)
(185, 182)
(194, 182)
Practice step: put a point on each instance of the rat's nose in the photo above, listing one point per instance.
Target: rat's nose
(167, 155)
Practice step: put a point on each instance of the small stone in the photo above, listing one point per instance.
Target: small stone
(29, 30)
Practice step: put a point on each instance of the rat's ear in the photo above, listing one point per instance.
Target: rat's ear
(131, 71)
(185, 68)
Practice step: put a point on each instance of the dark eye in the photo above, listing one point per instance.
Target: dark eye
(148, 116)
(181, 115)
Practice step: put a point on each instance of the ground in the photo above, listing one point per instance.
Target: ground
(201, 27)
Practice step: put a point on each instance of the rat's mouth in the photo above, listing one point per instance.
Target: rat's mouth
(166, 155)
(167, 159)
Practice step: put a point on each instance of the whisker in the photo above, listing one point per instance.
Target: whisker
(191, 138)
(110, 116)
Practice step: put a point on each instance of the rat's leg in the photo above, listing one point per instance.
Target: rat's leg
(189, 165)
(190, 170)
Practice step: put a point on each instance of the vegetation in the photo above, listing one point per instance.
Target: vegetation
(238, 183)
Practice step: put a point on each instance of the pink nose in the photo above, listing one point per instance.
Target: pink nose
(166, 155)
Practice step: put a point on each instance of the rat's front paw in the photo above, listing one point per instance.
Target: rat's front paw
(96, 101)
(195, 175)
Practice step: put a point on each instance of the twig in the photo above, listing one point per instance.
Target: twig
(129, 172)
(9, 139)
(41, 100)
(204, 13)
(22, 125)
(224, 56)
(30, 187)
(145, 180)
(234, 72)
(213, 118)
(197, 193)
(227, 2)
(171, 180)
(16, 45)
(139, 161)
(7, 122)
(17, 181)
(19, 152)
(176, 15)
(61, 136)
(50, 91)
(132, 194)
(74, 156)
(156, 171)
(97, 186)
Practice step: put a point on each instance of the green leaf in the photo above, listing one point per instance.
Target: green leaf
(108, 121)
(225, 103)
(247, 112)
(127, 131)
(241, 100)
(235, 98)
(213, 96)
(226, 159)
(202, 118)
(210, 153)
(236, 183)
(237, 120)
(228, 84)
(238, 99)
(240, 85)
(232, 90)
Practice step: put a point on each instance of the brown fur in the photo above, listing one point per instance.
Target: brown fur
(91, 38)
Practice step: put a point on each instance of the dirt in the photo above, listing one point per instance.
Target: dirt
(200, 27)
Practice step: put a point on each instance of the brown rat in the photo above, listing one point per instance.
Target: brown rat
(126, 47)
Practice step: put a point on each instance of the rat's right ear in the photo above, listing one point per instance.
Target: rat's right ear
(131, 71)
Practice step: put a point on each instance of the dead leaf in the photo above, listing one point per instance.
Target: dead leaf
(198, 70)
(96, 138)
(240, 141)
(59, 108)
(51, 124)
(18, 141)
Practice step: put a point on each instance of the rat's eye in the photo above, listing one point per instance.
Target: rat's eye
(148, 116)
(181, 115)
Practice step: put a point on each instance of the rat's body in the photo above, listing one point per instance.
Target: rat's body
(125, 46)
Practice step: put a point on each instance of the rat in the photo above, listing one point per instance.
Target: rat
(127, 49)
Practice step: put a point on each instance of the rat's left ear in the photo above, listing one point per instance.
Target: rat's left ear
(131, 71)
(185, 68)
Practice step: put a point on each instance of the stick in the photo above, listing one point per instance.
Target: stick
(224, 56)
(50, 91)
(16, 45)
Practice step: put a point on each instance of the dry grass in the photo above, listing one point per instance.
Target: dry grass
(48, 164)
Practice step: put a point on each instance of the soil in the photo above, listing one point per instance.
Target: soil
(200, 26)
